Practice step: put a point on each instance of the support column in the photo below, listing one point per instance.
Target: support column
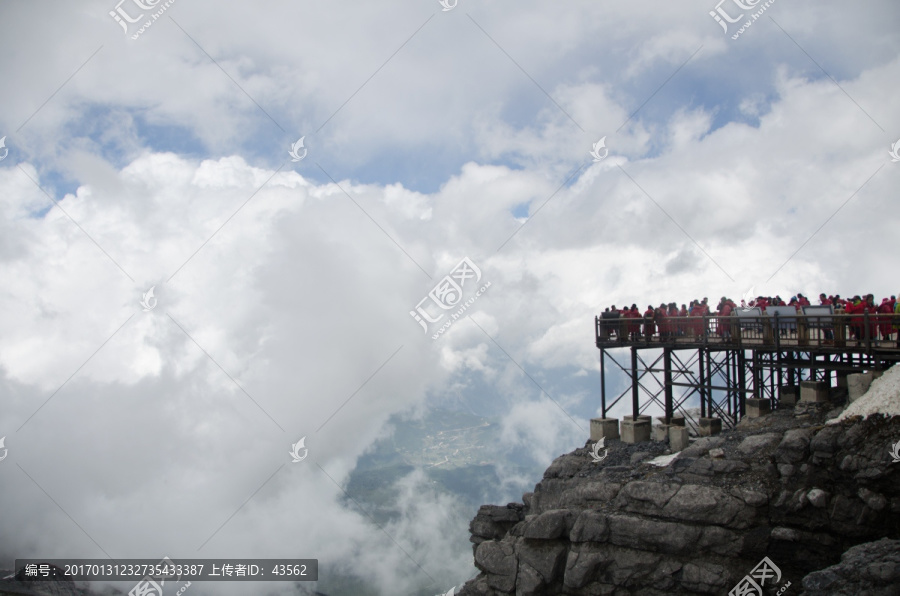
(667, 365)
(603, 383)
(635, 406)
(702, 384)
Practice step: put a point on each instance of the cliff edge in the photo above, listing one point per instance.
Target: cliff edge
(767, 508)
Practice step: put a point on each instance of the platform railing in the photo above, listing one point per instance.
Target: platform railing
(839, 331)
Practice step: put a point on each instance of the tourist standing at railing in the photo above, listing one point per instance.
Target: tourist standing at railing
(675, 327)
(884, 318)
(871, 308)
(802, 300)
(649, 325)
(723, 325)
(855, 306)
(829, 331)
(697, 324)
(661, 323)
(634, 329)
(897, 320)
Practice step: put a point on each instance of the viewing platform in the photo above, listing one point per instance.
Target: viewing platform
(747, 363)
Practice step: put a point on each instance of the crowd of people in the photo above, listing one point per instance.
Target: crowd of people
(668, 320)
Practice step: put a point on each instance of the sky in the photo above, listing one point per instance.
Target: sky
(432, 145)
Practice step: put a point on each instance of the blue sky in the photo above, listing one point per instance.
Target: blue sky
(284, 289)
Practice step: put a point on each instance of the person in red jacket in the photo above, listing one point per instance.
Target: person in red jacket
(884, 319)
(634, 329)
(697, 310)
(802, 300)
(723, 325)
(855, 307)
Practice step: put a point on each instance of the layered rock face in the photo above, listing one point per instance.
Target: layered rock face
(784, 486)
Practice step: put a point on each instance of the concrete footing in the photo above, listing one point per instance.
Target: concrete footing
(709, 427)
(678, 438)
(758, 407)
(604, 428)
(635, 431)
(788, 397)
(814, 391)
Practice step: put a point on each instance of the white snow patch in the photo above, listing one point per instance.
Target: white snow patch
(883, 397)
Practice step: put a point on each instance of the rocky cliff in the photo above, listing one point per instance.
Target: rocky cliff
(767, 508)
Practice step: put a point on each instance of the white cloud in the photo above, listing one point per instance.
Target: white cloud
(300, 293)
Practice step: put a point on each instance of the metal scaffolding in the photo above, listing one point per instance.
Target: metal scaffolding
(723, 361)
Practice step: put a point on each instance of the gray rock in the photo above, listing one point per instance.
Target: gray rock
(640, 456)
(590, 526)
(547, 559)
(817, 498)
(647, 534)
(873, 500)
(548, 525)
(583, 568)
(701, 447)
(872, 569)
(705, 578)
(528, 581)
(794, 447)
(704, 504)
(498, 561)
(755, 443)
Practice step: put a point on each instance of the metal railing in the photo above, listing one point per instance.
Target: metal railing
(749, 329)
